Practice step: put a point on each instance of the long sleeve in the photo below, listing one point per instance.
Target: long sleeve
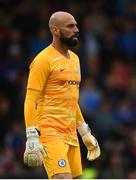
(39, 70)
(31, 99)
(79, 116)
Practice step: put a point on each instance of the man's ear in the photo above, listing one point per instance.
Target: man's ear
(56, 31)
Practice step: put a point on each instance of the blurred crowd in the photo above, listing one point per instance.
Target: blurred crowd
(107, 51)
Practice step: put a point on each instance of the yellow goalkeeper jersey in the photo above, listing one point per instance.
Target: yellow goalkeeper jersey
(58, 79)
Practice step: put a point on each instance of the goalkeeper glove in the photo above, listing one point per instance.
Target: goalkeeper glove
(34, 149)
(90, 141)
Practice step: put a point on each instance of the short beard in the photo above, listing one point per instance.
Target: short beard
(69, 42)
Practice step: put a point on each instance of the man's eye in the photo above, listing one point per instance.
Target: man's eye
(70, 26)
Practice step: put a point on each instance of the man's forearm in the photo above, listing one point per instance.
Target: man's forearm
(79, 116)
(31, 99)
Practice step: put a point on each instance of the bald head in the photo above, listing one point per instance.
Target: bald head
(59, 18)
(63, 27)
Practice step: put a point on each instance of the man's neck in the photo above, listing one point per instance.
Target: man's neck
(61, 48)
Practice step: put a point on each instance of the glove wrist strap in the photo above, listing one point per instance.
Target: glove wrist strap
(32, 132)
(83, 129)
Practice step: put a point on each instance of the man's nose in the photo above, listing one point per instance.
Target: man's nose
(76, 29)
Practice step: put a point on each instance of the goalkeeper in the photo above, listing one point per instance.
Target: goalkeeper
(52, 113)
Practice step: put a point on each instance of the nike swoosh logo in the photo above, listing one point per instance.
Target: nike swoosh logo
(62, 69)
